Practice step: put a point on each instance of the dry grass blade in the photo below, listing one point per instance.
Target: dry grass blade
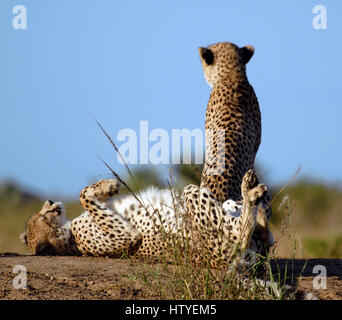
(284, 187)
(116, 148)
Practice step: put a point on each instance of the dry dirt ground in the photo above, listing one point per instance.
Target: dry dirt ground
(52, 277)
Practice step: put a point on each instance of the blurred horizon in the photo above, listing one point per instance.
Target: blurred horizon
(147, 175)
(306, 217)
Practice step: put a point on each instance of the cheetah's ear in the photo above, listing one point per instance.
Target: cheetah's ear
(207, 55)
(247, 53)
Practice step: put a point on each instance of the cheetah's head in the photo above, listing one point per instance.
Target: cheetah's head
(224, 60)
(42, 229)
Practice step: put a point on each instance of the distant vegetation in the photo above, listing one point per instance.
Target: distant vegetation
(307, 215)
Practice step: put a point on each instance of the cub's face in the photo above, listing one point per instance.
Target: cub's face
(41, 227)
(223, 60)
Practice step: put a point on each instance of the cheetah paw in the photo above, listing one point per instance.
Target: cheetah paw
(256, 193)
(101, 190)
(105, 189)
(249, 181)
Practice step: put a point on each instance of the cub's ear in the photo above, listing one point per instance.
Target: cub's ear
(247, 53)
(23, 238)
(207, 55)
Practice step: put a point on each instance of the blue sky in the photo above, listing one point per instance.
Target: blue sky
(122, 62)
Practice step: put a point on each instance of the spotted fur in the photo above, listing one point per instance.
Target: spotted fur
(146, 226)
(233, 120)
(229, 212)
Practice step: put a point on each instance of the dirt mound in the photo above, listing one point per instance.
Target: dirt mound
(54, 277)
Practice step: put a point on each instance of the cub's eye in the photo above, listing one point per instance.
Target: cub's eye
(50, 202)
(207, 56)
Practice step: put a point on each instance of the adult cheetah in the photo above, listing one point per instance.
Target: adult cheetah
(233, 135)
(146, 225)
(233, 120)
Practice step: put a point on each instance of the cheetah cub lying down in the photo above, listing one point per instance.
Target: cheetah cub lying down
(145, 225)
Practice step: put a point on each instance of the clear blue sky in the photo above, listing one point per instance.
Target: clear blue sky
(126, 61)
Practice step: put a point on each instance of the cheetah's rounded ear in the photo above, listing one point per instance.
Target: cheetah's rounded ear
(207, 55)
(247, 53)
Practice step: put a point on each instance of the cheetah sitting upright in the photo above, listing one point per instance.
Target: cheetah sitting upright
(212, 215)
(233, 132)
(233, 120)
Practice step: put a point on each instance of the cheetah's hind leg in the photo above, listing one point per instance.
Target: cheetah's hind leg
(108, 233)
